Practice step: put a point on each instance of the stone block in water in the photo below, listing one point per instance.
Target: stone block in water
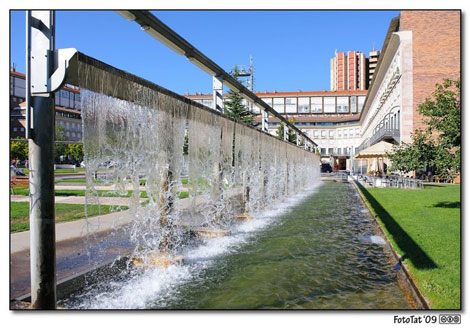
(208, 232)
(157, 259)
(243, 217)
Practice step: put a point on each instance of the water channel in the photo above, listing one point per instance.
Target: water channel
(317, 250)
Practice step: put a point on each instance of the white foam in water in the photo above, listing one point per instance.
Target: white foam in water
(160, 283)
(372, 239)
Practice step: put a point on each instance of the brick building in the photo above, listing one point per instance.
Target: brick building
(421, 49)
(348, 71)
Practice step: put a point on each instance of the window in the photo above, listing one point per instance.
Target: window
(207, 102)
(64, 98)
(351, 132)
(398, 120)
(342, 105)
(316, 104)
(323, 151)
(291, 105)
(19, 87)
(330, 151)
(356, 131)
(256, 109)
(278, 105)
(323, 133)
(268, 101)
(332, 134)
(353, 104)
(22, 129)
(340, 133)
(360, 101)
(304, 106)
(77, 100)
(329, 105)
(15, 129)
(315, 133)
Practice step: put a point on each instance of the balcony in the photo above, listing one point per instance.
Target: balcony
(386, 130)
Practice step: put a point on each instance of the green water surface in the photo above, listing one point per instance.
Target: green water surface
(313, 257)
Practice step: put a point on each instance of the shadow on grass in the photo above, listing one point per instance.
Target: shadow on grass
(431, 186)
(411, 250)
(447, 204)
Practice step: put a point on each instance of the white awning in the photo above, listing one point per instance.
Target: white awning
(377, 150)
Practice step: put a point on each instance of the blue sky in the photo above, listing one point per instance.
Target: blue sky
(291, 49)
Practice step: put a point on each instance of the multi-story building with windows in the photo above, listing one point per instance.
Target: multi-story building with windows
(67, 106)
(421, 49)
(348, 71)
(330, 118)
(371, 65)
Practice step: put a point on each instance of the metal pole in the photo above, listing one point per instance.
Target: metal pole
(41, 172)
(217, 93)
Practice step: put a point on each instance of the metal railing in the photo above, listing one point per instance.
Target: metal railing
(391, 182)
(160, 31)
(382, 131)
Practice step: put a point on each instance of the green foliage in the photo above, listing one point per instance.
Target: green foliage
(291, 137)
(439, 145)
(60, 149)
(186, 144)
(442, 115)
(19, 149)
(415, 155)
(75, 151)
(234, 107)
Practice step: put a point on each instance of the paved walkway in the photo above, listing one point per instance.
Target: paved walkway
(75, 229)
(63, 186)
(123, 201)
(70, 186)
(108, 235)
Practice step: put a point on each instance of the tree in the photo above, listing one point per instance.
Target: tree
(415, 155)
(60, 148)
(75, 151)
(439, 145)
(186, 144)
(442, 115)
(19, 149)
(234, 107)
(291, 136)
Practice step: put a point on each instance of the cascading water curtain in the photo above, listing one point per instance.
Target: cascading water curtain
(210, 166)
(136, 149)
(134, 137)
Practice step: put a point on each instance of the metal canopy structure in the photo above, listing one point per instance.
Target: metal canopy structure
(160, 31)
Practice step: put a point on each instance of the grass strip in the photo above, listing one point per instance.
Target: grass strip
(19, 213)
(423, 226)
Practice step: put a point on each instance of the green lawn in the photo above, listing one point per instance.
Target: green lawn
(424, 228)
(77, 170)
(19, 213)
(102, 193)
